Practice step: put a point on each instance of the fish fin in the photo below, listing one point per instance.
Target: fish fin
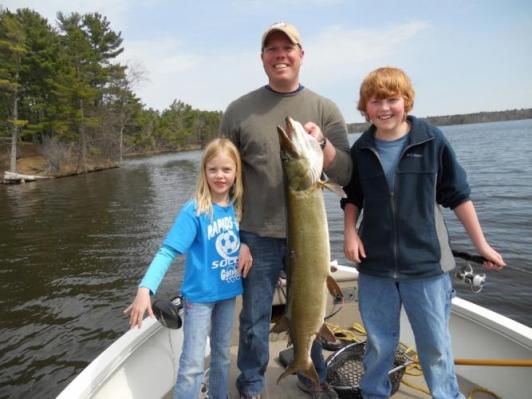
(334, 288)
(306, 368)
(326, 333)
(289, 340)
(334, 187)
(282, 325)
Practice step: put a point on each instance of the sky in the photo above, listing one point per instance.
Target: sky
(463, 56)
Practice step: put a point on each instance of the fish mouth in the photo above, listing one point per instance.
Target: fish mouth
(286, 139)
(299, 146)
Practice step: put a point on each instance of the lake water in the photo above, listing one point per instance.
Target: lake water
(73, 250)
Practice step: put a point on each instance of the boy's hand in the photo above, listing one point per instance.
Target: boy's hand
(353, 247)
(493, 260)
(139, 306)
(245, 260)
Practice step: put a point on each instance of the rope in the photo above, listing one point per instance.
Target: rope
(344, 334)
(356, 332)
(414, 369)
(335, 309)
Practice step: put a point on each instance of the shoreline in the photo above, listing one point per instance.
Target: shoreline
(33, 167)
(34, 164)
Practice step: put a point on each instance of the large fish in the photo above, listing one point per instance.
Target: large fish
(308, 245)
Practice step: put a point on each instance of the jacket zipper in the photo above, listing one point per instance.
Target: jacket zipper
(395, 234)
(393, 200)
(393, 205)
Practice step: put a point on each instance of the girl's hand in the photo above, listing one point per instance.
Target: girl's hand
(245, 260)
(140, 304)
(493, 260)
(353, 247)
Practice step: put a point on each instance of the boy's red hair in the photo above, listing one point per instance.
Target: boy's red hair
(383, 83)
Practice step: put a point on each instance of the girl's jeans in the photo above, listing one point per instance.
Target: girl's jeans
(427, 303)
(199, 319)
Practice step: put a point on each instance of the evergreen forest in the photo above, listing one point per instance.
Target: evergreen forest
(63, 90)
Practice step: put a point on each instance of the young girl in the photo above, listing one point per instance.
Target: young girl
(206, 229)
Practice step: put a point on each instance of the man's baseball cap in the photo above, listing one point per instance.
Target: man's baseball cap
(288, 29)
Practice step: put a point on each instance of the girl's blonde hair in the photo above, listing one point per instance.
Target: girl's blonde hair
(383, 83)
(203, 193)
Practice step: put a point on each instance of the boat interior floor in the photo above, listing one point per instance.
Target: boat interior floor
(287, 388)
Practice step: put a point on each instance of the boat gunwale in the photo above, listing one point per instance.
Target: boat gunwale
(493, 321)
(99, 370)
(105, 365)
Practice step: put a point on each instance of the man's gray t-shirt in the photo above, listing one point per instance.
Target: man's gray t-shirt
(251, 123)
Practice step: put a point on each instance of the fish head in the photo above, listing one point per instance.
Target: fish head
(301, 155)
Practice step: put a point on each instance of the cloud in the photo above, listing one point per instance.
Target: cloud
(211, 80)
(205, 81)
(349, 50)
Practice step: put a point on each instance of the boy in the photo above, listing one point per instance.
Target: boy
(403, 171)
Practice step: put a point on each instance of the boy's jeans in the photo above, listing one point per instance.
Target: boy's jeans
(199, 319)
(427, 303)
(259, 286)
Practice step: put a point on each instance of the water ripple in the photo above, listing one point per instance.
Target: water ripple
(73, 250)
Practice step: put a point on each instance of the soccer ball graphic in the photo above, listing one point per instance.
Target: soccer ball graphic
(227, 244)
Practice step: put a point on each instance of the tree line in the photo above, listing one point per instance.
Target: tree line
(461, 119)
(62, 88)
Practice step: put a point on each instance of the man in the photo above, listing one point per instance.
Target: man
(251, 123)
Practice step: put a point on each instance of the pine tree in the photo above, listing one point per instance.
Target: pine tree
(13, 49)
(39, 69)
(89, 46)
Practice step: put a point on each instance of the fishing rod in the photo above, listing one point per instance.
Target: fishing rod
(467, 256)
(479, 259)
(468, 275)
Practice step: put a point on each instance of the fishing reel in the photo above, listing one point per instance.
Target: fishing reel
(168, 312)
(476, 281)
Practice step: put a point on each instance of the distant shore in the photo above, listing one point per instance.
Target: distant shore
(32, 162)
(460, 119)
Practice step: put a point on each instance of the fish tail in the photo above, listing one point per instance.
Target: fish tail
(334, 288)
(303, 367)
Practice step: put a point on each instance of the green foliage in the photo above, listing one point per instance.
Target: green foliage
(12, 51)
(69, 89)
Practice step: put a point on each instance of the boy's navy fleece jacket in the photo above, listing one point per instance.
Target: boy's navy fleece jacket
(403, 231)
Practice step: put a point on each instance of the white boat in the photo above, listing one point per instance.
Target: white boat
(143, 362)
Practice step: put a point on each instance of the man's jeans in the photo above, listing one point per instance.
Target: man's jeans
(199, 319)
(427, 303)
(253, 351)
